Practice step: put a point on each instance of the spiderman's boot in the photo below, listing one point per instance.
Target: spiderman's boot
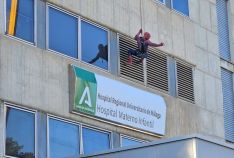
(129, 60)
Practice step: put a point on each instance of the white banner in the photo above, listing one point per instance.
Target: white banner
(130, 106)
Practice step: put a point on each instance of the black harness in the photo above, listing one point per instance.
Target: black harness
(142, 51)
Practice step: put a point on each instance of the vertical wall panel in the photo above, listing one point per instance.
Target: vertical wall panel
(172, 76)
(113, 59)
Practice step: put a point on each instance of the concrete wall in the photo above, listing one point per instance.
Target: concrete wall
(38, 79)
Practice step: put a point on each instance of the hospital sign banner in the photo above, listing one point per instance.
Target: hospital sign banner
(116, 102)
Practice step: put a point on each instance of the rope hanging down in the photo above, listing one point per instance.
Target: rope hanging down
(141, 12)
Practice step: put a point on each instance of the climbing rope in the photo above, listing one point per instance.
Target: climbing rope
(141, 14)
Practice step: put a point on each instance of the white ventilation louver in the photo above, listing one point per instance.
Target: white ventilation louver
(157, 75)
(134, 71)
(185, 87)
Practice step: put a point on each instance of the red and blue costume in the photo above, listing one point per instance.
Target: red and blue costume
(142, 43)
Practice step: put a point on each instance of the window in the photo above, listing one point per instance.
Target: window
(223, 29)
(129, 141)
(20, 133)
(181, 6)
(94, 44)
(228, 103)
(161, 1)
(63, 139)
(20, 19)
(99, 138)
(76, 38)
(63, 32)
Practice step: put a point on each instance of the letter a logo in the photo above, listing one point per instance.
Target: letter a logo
(85, 94)
(88, 100)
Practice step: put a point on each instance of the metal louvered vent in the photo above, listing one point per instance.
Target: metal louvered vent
(134, 71)
(228, 103)
(157, 75)
(185, 81)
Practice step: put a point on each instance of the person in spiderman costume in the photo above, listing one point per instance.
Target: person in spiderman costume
(142, 43)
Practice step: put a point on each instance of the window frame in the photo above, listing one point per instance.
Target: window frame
(179, 12)
(97, 129)
(81, 125)
(130, 138)
(14, 106)
(158, 1)
(79, 36)
(34, 43)
(48, 5)
(64, 121)
(108, 42)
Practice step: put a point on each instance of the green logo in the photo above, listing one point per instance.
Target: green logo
(85, 91)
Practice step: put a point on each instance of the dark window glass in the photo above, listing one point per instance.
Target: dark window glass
(129, 142)
(20, 133)
(24, 21)
(94, 42)
(161, 1)
(181, 6)
(63, 139)
(63, 33)
(94, 141)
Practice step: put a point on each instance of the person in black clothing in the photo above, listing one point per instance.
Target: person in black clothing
(102, 53)
(142, 43)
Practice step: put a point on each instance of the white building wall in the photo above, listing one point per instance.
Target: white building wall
(38, 79)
